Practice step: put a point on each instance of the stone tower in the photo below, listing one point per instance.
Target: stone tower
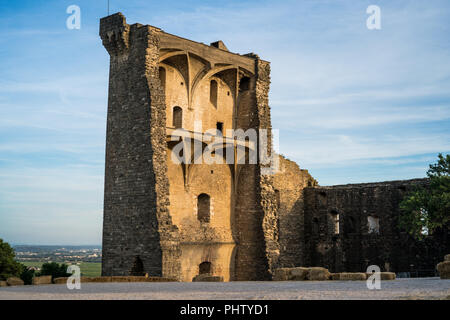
(182, 219)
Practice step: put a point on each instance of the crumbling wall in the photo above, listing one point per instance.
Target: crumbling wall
(289, 183)
(250, 256)
(267, 196)
(357, 246)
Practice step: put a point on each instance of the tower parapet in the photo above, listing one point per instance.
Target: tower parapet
(115, 32)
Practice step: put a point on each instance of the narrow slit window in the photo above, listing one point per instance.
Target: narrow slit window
(213, 93)
(162, 78)
(177, 120)
(203, 208)
(335, 221)
(219, 127)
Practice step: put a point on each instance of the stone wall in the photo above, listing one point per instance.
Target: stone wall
(136, 218)
(289, 184)
(360, 243)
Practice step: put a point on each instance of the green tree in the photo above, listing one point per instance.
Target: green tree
(8, 266)
(427, 209)
(27, 275)
(55, 270)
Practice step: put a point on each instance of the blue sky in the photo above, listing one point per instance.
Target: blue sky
(352, 104)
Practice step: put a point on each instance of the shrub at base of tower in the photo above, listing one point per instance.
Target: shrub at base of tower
(54, 269)
(444, 269)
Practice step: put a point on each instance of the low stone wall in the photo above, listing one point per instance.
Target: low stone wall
(322, 274)
(444, 268)
(385, 275)
(347, 276)
(13, 281)
(42, 280)
(63, 280)
(207, 278)
(301, 274)
(349, 228)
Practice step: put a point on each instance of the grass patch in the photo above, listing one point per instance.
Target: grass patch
(88, 269)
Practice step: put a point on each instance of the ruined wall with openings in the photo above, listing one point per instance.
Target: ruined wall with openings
(350, 227)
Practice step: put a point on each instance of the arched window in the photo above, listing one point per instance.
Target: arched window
(177, 121)
(219, 127)
(203, 208)
(244, 84)
(162, 77)
(138, 267)
(335, 220)
(213, 93)
(204, 268)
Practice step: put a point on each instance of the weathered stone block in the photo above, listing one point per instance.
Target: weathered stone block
(3, 284)
(62, 280)
(207, 278)
(354, 276)
(281, 274)
(42, 280)
(444, 269)
(14, 281)
(318, 274)
(299, 274)
(385, 276)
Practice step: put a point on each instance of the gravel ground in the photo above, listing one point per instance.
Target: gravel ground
(424, 288)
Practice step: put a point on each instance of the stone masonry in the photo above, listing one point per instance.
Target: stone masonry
(152, 207)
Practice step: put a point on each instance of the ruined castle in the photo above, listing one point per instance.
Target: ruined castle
(232, 220)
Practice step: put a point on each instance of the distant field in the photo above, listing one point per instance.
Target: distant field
(88, 269)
